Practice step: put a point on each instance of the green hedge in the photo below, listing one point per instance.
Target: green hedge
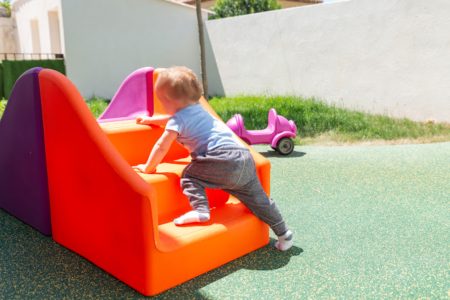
(12, 69)
(2, 91)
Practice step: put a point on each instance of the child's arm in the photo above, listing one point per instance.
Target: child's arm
(160, 120)
(158, 152)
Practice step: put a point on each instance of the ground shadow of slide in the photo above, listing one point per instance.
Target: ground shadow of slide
(60, 273)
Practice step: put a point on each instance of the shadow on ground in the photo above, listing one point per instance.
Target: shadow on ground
(274, 153)
(264, 259)
(35, 266)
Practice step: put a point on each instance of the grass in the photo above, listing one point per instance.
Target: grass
(2, 107)
(318, 123)
(97, 106)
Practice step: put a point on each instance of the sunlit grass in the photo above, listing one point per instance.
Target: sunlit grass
(2, 107)
(97, 105)
(318, 123)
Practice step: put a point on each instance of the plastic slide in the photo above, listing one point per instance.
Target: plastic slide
(122, 220)
(134, 98)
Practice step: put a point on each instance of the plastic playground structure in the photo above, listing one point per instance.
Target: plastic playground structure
(69, 175)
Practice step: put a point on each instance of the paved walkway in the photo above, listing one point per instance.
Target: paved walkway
(369, 222)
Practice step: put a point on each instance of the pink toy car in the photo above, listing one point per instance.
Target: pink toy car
(278, 133)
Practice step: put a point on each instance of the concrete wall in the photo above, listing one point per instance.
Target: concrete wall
(8, 36)
(106, 40)
(39, 24)
(384, 56)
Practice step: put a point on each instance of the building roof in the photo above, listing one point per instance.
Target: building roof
(185, 3)
(192, 2)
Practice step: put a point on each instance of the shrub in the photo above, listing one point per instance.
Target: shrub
(231, 8)
(7, 5)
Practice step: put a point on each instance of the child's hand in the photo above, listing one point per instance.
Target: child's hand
(143, 120)
(160, 120)
(142, 168)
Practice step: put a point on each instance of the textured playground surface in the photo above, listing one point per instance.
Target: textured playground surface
(369, 223)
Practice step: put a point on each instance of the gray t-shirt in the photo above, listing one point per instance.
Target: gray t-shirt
(199, 132)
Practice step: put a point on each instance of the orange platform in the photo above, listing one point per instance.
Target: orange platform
(122, 220)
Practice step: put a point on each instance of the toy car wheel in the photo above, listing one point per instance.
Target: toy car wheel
(285, 146)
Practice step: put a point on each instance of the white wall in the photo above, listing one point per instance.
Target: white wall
(37, 11)
(8, 36)
(106, 40)
(381, 56)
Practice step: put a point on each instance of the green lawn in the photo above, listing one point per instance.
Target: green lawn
(318, 123)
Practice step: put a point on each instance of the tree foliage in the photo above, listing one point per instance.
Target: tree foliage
(7, 5)
(231, 8)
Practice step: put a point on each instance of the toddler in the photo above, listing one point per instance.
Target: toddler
(219, 159)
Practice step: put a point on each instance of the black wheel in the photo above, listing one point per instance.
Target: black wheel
(285, 146)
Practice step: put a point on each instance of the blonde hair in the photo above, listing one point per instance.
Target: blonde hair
(183, 83)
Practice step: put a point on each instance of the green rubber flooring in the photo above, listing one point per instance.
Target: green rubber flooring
(369, 223)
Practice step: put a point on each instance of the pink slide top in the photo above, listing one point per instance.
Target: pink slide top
(134, 98)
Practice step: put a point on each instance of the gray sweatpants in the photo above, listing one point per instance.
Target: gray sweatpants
(231, 169)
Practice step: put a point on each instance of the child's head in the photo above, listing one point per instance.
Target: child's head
(177, 88)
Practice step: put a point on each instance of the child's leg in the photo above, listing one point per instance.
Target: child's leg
(254, 197)
(198, 200)
(251, 194)
(231, 169)
(212, 170)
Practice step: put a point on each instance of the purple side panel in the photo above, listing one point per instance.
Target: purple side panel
(23, 171)
(134, 98)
